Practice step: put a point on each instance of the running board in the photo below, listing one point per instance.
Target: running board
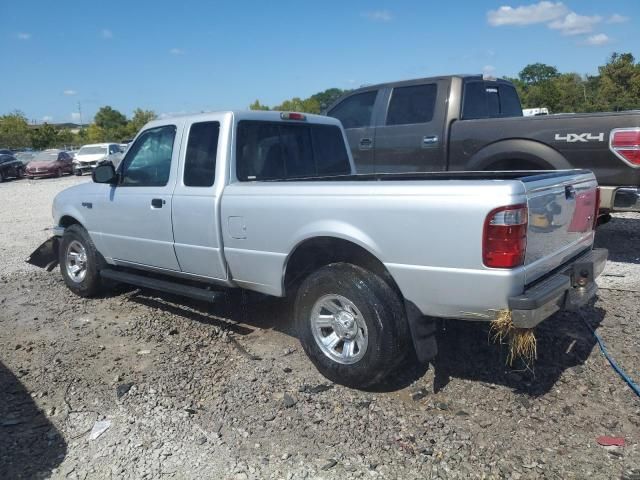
(161, 285)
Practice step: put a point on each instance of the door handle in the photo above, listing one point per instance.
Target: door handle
(365, 143)
(429, 140)
(157, 203)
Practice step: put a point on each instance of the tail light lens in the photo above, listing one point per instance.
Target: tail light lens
(625, 144)
(597, 208)
(505, 237)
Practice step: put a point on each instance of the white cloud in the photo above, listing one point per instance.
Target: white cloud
(378, 16)
(541, 12)
(106, 34)
(617, 18)
(47, 118)
(75, 116)
(176, 51)
(574, 24)
(24, 36)
(69, 92)
(597, 40)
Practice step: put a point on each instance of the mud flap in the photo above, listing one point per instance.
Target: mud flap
(423, 333)
(46, 255)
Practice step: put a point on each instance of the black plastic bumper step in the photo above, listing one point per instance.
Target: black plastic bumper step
(161, 285)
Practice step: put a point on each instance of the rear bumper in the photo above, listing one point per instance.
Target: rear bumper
(568, 289)
(620, 199)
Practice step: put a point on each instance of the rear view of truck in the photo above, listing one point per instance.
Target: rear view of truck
(561, 222)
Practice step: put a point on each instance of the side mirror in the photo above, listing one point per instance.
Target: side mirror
(105, 173)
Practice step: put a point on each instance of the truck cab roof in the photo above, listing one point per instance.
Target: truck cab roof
(257, 115)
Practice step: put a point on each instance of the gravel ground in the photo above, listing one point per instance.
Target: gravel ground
(191, 390)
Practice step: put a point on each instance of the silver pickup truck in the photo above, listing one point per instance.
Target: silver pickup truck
(270, 202)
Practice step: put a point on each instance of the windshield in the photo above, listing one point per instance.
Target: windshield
(92, 151)
(46, 156)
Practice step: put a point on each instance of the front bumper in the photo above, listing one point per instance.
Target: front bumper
(620, 199)
(39, 174)
(569, 289)
(84, 167)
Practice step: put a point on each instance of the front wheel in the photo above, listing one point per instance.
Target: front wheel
(78, 172)
(79, 262)
(351, 324)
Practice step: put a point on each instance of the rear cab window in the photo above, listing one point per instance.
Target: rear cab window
(280, 151)
(490, 100)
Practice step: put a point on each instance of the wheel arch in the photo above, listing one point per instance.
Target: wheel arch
(529, 152)
(68, 220)
(315, 252)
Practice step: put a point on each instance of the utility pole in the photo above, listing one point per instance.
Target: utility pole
(80, 114)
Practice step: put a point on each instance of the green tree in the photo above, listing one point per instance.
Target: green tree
(258, 106)
(536, 73)
(326, 98)
(44, 136)
(96, 134)
(14, 131)
(109, 119)
(140, 119)
(619, 86)
(65, 138)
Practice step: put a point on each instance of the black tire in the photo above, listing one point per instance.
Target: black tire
(381, 310)
(78, 172)
(58, 173)
(20, 173)
(1, 177)
(91, 284)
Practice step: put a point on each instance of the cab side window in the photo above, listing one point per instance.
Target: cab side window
(355, 111)
(148, 161)
(202, 149)
(413, 104)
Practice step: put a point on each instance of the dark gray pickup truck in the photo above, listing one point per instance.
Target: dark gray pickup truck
(465, 122)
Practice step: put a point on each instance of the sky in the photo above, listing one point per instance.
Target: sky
(192, 56)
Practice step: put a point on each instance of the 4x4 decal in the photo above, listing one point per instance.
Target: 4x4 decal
(579, 137)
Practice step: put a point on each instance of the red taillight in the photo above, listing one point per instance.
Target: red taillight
(625, 143)
(505, 237)
(292, 116)
(597, 208)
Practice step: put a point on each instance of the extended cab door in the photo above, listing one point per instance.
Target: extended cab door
(356, 114)
(135, 215)
(409, 131)
(196, 199)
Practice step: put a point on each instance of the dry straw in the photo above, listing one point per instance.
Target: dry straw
(521, 341)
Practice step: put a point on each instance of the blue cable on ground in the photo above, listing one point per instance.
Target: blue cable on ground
(613, 363)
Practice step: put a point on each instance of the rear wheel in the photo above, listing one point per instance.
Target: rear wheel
(1, 176)
(351, 324)
(79, 262)
(20, 173)
(59, 173)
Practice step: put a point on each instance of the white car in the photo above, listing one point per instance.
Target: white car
(89, 156)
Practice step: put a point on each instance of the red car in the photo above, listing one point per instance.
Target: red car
(50, 163)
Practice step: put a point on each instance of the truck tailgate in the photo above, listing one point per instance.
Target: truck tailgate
(562, 209)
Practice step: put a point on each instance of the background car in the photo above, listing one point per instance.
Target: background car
(90, 155)
(50, 163)
(10, 166)
(25, 157)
